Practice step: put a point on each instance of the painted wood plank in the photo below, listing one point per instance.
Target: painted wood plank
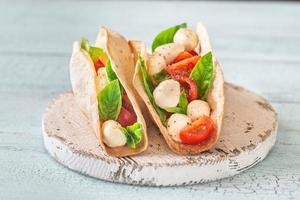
(236, 35)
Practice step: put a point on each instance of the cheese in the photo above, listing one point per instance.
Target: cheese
(187, 38)
(112, 135)
(156, 63)
(197, 108)
(169, 51)
(166, 94)
(176, 123)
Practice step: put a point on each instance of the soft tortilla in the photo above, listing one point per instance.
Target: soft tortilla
(215, 99)
(85, 87)
(83, 78)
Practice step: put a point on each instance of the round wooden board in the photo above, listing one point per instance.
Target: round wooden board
(248, 134)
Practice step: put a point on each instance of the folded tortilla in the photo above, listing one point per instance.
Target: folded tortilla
(215, 98)
(85, 86)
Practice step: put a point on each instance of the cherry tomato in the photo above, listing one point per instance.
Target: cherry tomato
(182, 66)
(98, 64)
(199, 131)
(194, 53)
(126, 103)
(180, 71)
(189, 85)
(127, 115)
(182, 56)
(190, 88)
(126, 118)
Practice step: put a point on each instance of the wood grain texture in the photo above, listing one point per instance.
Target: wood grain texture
(257, 44)
(248, 134)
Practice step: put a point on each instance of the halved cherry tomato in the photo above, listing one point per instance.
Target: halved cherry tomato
(194, 53)
(190, 88)
(185, 65)
(180, 71)
(98, 64)
(126, 103)
(127, 115)
(182, 56)
(199, 131)
(126, 118)
(189, 85)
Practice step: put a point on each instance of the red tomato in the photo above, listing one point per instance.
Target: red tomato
(199, 131)
(98, 64)
(189, 85)
(182, 56)
(126, 118)
(126, 103)
(180, 71)
(127, 115)
(183, 66)
(190, 88)
(194, 53)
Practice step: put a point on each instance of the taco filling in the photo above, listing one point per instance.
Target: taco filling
(118, 119)
(177, 81)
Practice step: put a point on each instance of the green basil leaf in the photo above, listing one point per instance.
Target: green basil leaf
(110, 101)
(133, 134)
(149, 87)
(110, 73)
(84, 44)
(161, 76)
(175, 110)
(203, 75)
(94, 52)
(166, 36)
(183, 103)
(130, 141)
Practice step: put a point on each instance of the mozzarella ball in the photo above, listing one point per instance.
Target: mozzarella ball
(166, 94)
(156, 63)
(169, 51)
(102, 77)
(197, 108)
(176, 123)
(187, 38)
(112, 135)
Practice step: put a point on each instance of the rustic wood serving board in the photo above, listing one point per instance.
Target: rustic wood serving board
(248, 134)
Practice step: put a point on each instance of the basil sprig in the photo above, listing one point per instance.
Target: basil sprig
(203, 75)
(95, 52)
(110, 101)
(133, 134)
(109, 71)
(166, 36)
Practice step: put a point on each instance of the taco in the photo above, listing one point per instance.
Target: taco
(101, 79)
(182, 85)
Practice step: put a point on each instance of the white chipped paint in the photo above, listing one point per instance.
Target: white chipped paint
(76, 147)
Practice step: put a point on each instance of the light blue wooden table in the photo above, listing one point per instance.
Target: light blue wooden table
(258, 45)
